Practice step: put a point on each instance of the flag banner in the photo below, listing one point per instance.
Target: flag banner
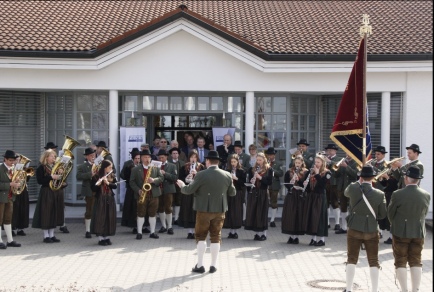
(347, 130)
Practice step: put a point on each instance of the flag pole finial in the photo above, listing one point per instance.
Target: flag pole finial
(365, 28)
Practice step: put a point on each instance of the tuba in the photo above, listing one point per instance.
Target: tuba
(63, 165)
(146, 186)
(20, 176)
(97, 163)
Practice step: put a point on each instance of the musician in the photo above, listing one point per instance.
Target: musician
(170, 174)
(150, 204)
(261, 175)
(49, 211)
(303, 150)
(399, 170)
(407, 212)
(367, 205)
(129, 211)
(332, 186)
(103, 146)
(315, 183)
(210, 188)
(274, 188)
(379, 164)
(243, 157)
(84, 174)
(349, 168)
(7, 198)
(294, 203)
(179, 163)
(103, 222)
(187, 216)
(225, 149)
(20, 216)
(234, 215)
(51, 145)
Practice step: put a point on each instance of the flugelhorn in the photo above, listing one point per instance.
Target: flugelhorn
(321, 153)
(335, 166)
(394, 160)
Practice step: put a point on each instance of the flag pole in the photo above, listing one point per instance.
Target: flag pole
(365, 31)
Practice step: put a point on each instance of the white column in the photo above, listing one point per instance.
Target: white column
(385, 122)
(250, 119)
(114, 132)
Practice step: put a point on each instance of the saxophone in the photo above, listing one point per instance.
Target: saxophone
(146, 186)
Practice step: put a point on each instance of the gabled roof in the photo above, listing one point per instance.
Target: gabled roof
(272, 30)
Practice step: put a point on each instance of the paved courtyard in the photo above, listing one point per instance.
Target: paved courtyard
(79, 264)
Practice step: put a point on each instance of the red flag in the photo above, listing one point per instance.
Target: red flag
(347, 130)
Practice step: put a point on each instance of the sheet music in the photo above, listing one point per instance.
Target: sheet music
(249, 185)
(298, 188)
(156, 163)
(98, 160)
(19, 166)
(65, 159)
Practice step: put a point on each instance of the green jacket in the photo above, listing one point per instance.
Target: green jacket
(360, 217)
(170, 177)
(278, 173)
(407, 211)
(4, 184)
(137, 180)
(400, 173)
(244, 161)
(378, 167)
(211, 188)
(337, 176)
(84, 173)
(350, 173)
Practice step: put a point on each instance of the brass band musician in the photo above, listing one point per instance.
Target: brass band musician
(399, 170)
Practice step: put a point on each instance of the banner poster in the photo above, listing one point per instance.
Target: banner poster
(218, 134)
(130, 137)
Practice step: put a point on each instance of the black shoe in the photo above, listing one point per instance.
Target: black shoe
(134, 230)
(320, 243)
(47, 240)
(64, 229)
(146, 230)
(340, 231)
(190, 236)
(388, 241)
(235, 236)
(175, 222)
(312, 242)
(54, 239)
(257, 237)
(337, 227)
(162, 230)
(295, 241)
(13, 244)
(170, 231)
(198, 270)
(139, 236)
(230, 235)
(212, 269)
(88, 235)
(263, 238)
(154, 235)
(21, 233)
(290, 241)
(102, 242)
(108, 241)
(2, 245)
(272, 224)
(329, 226)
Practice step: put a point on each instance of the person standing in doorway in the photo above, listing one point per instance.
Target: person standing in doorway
(201, 150)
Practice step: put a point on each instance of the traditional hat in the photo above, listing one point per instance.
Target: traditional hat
(88, 151)
(270, 150)
(162, 152)
(303, 141)
(212, 154)
(134, 150)
(414, 147)
(331, 146)
(238, 144)
(381, 149)
(50, 145)
(145, 152)
(10, 154)
(367, 171)
(174, 149)
(413, 172)
(101, 144)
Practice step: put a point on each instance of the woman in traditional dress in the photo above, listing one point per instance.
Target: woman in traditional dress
(261, 175)
(187, 216)
(103, 222)
(293, 206)
(316, 206)
(234, 214)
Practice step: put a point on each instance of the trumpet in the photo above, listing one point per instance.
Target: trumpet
(295, 152)
(369, 162)
(380, 174)
(394, 160)
(335, 166)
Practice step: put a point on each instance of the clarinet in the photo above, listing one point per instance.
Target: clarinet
(307, 179)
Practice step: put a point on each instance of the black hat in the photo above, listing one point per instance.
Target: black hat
(88, 151)
(413, 172)
(212, 154)
(134, 150)
(50, 145)
(303, 141)
(162, 152)
(10, 154)
(331, 146)
(238, 144)
(174, 149)
(101, 144)
(414, 147)
(367, 171)
(270, 150)
(381, 149)
(145, 152)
